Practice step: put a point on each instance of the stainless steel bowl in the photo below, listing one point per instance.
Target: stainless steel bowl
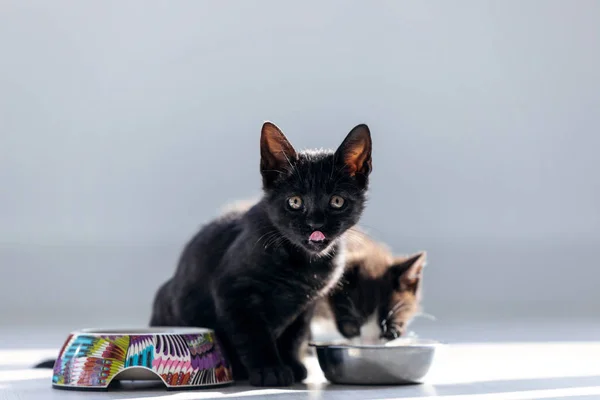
(405, 363)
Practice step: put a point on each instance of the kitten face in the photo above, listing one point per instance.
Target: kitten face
(356, 302)
(315, 196)
(371, 309)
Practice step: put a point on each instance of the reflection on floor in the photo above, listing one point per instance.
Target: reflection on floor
(500, 365)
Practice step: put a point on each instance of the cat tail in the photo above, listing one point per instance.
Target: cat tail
(46, 364)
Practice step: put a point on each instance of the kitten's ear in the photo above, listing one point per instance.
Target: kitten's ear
(407, 272)
(276, 153)
(354, 154)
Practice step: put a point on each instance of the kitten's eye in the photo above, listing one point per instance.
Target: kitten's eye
(295, 202)
(336, 202)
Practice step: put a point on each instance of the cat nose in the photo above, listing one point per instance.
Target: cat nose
(315, 221)
(315, 224)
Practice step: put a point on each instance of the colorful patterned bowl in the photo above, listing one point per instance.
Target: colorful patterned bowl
(180, 357)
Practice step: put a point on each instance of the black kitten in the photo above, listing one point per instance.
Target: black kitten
(254, 276)
(378, 295)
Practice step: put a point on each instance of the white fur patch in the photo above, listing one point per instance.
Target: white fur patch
(338, 271)
(370, 331)
(324, 329)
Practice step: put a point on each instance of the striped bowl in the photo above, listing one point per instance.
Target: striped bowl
(179, 357)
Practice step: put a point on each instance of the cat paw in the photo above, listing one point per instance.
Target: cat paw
(271, 376)
(299, 371)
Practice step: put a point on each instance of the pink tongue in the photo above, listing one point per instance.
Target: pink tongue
(316, 236)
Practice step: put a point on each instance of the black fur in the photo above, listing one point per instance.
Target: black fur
(254, 276)
(45, 364)
(356, 299)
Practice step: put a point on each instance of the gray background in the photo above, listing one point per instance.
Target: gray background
(125, 125)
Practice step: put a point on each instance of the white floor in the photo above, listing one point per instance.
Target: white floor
(488, 361)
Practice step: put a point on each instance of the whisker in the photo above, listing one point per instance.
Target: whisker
(273, 240)
(425, 315)
(397, 307)
(294, 169)
(396, 326)
(278, 242)
(260, 238)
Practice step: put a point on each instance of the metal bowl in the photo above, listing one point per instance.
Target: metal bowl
(404, 363)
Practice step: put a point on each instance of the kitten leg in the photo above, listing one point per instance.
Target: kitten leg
(291, 341)
(253, 341)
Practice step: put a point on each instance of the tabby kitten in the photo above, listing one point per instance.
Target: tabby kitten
(378, 295)
(254, 275)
